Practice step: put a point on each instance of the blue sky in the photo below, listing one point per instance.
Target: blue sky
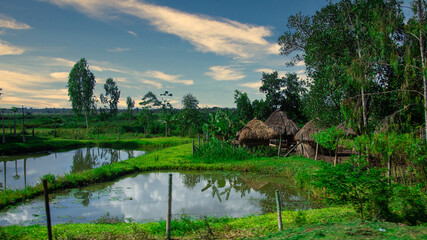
(207, 48)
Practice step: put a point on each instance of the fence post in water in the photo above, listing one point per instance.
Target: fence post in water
(279, 210)
(169, 213)
(46, 204)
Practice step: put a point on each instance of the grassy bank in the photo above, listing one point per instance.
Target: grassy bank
(327, 223)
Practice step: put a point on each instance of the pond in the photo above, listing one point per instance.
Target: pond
(25, 170)
(143, 198)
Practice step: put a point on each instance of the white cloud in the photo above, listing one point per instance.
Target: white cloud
(167, 77)
(133, 33)
(60, 75)
(253, 85)
(225, 73)
(152, 83)
(10, 23)
(221, 36)
(118, 49)
(8, 49)
(300, 64)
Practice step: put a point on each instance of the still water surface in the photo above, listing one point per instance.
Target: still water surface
(143, 198)
(17, 172)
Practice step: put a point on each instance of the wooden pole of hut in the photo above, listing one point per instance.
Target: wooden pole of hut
(317, 151)
(280, 146)
(302, 145)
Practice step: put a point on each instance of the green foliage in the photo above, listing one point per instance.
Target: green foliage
(328, 138)
(409, 204)
(352, 182)
(215, 151)
(244, 108)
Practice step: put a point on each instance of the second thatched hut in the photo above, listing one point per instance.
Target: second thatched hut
(256, 133)
(304, 135)
(283, 125)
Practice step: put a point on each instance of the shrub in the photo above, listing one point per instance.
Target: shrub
(219, 151)
(352, 182)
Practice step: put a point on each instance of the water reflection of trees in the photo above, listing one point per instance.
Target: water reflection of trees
(83, 161)
(222, 186)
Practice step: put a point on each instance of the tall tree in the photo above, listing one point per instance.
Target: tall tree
(189, 112)
(130, 104)
(347, 48)
(244, 108)
(112, 96)
(81, 83)
(167, 110)
(271, 87)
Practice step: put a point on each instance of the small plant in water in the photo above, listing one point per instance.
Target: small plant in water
(106, 219)
(49, 177)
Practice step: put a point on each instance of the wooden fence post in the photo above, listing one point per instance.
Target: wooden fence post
(169, 213)
(46, 204)
(23, 125)
(279, 210)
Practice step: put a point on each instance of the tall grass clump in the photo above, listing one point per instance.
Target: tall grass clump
(216, 151)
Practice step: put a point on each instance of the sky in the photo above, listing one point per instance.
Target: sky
(207, 48)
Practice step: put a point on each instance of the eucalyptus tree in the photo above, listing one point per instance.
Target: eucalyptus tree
(130, 104)
(81, 83)
(111, 97)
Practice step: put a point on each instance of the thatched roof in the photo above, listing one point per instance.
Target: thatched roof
(309, 128)
(256, 130)
(348, 131)
(280, 123)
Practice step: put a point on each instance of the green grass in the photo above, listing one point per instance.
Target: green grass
(327, 223)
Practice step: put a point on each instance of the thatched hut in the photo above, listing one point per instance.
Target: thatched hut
(256, 133)
(283, 125)
(347, 131)
(304, 134)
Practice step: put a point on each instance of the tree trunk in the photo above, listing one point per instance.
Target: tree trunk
(365, 118)
(423, 63)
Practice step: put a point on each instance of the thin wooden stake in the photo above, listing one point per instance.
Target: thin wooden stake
(169, 213)
(23, 125)
(317, 151)
(279, 210)
(46, 204)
